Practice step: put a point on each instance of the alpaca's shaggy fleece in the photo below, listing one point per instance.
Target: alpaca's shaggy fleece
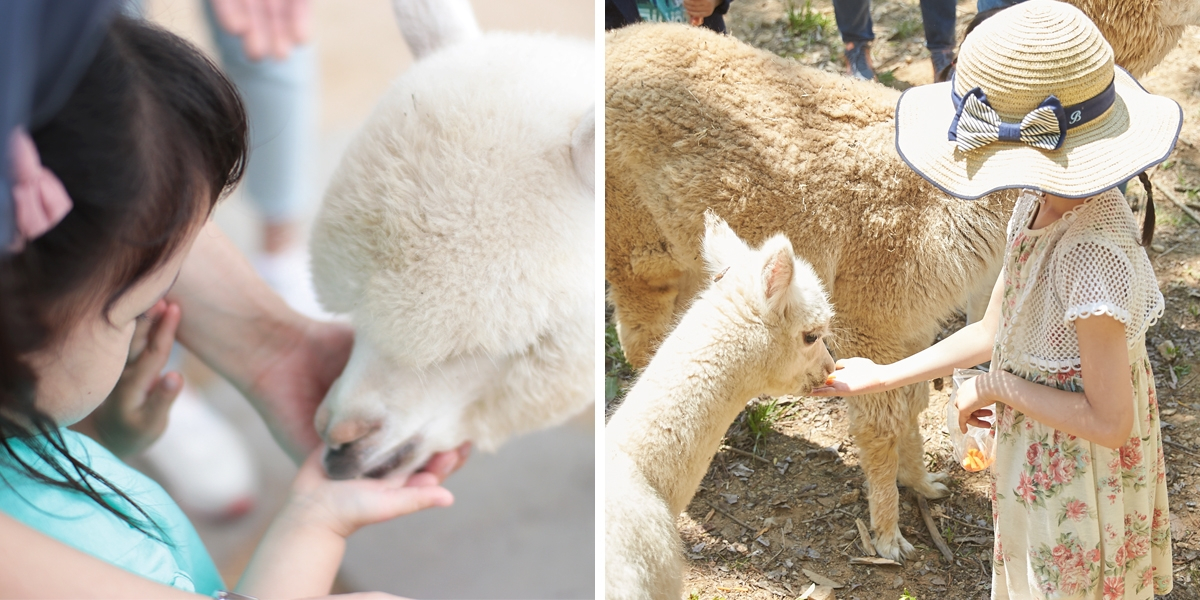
(697, 120)
(458, 234)
(755, 330)
(1141, 32)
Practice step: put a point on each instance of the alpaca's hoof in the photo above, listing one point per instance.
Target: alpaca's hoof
(933, 491)
(893, 546)
(931, 488)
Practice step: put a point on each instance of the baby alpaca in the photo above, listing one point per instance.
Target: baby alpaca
(757, 329)
(458, 234)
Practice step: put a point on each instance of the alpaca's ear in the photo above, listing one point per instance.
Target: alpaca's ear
(428, 25)
(778, 271)
(583, 148)
(722, 247)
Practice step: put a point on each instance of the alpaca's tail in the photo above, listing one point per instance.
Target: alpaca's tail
(428, 25)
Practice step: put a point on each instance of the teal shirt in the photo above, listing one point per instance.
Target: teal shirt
(76, 520)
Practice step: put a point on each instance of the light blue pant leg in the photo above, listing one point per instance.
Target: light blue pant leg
(982, 5)
(281, 103)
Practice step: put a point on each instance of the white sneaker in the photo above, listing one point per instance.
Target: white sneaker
(202, 461)
(288, 274)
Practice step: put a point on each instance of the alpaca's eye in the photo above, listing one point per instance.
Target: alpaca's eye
(811, 338)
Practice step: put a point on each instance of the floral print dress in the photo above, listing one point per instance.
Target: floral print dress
(1074, 519)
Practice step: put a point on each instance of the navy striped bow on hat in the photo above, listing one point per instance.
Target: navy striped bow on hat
(977, 124)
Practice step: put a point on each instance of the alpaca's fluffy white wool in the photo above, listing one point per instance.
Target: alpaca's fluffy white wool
(754, 331)
(458, 234)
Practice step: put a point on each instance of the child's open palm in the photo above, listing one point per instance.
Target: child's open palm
(851, 377)
(135, 414)
(299, 556)
(345, 506)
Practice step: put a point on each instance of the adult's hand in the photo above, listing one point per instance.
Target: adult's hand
(283, 362)
(289, 388)
(266, 26)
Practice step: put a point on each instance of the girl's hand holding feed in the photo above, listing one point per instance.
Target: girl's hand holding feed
(135, 414)
(851, 377)
(970, 404)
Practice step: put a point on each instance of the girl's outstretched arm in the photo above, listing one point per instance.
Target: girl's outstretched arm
(1103, 413)
(968, 347)
(301, 552)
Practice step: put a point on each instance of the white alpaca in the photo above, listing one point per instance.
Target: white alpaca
(459, 235)
(756, 330)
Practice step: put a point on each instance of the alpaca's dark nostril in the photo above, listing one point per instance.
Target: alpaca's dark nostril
(342, 462)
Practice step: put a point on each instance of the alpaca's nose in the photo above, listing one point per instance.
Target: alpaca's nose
(349, 431)
(829, 366)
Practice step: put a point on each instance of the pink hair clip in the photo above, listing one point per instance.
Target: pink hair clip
(39, 198)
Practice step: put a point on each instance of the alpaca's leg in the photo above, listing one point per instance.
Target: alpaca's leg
(645, 280)
(977, 302)
(875, 432)
(912, 446)
(643, 312)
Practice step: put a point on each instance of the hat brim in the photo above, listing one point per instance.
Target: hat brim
(1139, 132)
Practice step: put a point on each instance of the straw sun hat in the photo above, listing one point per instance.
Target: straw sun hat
(1024, 76)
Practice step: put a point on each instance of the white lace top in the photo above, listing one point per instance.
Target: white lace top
(1087, 263)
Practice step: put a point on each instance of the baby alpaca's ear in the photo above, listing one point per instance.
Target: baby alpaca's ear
(778, 271)
(583, 148)
(722, 247)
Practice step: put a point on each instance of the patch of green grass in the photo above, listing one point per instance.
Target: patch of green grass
(1181, 370)
(1194, 310)
(1163, 218)
(907, 595)
(1167, 164)
(948, 534)
(616, 368)
(804, 21)
(906, 29)
(760, 417)
(887, 78)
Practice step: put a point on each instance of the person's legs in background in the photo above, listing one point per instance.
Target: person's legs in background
(982, 5)
(938, 17)
(281, 101)
(854, 22)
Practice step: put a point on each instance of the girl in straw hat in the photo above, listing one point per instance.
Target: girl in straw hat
(1079, 499)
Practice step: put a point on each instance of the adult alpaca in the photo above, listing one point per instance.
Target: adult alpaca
(757, 329)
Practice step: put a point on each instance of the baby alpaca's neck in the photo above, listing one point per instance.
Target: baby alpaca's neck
(672, 422)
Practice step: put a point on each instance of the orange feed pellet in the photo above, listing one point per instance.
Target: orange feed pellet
(975, 461)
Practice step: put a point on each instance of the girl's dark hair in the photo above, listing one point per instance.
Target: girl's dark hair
(150, 139)
(1148, 218)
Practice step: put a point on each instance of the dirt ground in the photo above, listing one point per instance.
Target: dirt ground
(777, 511)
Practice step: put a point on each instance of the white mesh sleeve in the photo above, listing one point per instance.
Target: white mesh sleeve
(1096, 278)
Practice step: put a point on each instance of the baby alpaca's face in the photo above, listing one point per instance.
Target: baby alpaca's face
(75, 376)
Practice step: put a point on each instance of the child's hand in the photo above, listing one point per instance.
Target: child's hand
(344, 506)
(970, 404)
(135, 414)
(851, 377)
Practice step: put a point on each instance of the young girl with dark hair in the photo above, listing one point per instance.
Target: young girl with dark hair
(133, 164)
